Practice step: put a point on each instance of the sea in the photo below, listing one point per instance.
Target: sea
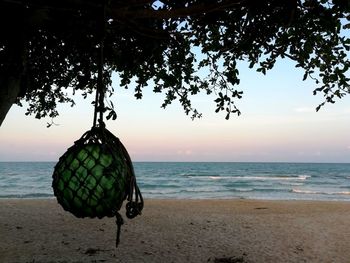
(201, 180)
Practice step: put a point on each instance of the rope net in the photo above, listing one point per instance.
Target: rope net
(95, 176)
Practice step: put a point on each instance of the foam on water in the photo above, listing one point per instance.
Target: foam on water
(299, 191)
(258, 178)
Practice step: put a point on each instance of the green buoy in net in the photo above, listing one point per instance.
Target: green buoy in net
(95, 176)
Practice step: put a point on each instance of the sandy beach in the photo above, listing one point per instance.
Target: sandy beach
(179, 231)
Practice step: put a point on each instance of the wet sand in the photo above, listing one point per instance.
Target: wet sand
(179, 231)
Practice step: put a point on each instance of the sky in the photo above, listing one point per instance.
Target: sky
(278, 124)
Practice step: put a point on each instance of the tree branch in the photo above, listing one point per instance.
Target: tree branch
(123, 9)
(193, 10)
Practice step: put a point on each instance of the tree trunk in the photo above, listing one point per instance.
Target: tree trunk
(9, 91)
(13, 62)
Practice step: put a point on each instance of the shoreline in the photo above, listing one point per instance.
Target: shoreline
(179, 230)
(196, 199)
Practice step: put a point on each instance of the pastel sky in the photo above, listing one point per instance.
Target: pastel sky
(278, 124)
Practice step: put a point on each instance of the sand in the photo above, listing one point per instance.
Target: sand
(179, 231)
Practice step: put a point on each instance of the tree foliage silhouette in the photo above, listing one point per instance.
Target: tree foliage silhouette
(48, 46)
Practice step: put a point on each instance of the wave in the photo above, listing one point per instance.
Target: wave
(299, 191)
(291, 183)
(243, 189)
(191, 175)
(261, 178)
(33, 195)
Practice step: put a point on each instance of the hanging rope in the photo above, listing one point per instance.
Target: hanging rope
(100, 90)
(95, 175)
(133, 207)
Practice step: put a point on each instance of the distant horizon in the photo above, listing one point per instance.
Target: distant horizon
(271, 162)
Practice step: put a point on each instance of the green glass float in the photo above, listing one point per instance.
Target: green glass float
(95, 176)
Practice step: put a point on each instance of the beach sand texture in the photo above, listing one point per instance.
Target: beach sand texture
(179, 231)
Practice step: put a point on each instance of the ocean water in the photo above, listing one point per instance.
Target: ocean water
(270, 181)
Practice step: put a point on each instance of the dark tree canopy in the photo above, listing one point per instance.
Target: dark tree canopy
(48, 46)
